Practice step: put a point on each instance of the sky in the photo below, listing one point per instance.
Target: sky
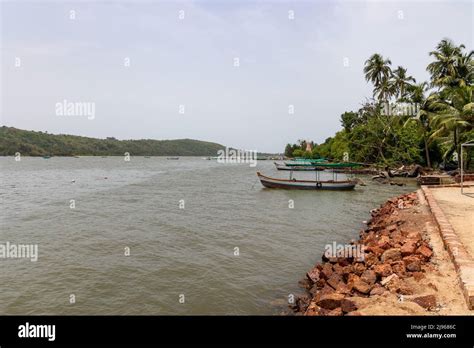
(252, 75)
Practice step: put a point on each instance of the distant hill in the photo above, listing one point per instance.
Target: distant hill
(31, 143)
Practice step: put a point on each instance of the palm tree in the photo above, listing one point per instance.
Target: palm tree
(454, 115)
(417, 96)
(443, 69)
(377, 69)
(417, 92)
(465, 69)
(401, 82)
(385, 90)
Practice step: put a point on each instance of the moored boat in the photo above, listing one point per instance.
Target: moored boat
(294, 184)
(172, 158)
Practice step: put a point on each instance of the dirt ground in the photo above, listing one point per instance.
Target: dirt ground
(459, 210)
(440, 278)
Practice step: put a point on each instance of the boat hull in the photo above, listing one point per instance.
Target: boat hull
(305, 184)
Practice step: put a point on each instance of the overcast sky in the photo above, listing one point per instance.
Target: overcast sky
(285, 58)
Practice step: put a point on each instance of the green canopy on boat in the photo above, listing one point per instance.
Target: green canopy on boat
(324, 165)
(309, 160)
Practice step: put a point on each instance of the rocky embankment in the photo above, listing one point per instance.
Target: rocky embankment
(395, 254)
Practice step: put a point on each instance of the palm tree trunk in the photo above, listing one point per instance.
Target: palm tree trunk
(427, 152)
(456, 146)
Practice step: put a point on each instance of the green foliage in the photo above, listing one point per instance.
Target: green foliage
(349, 120)
(30, 143)
(444, 121)
(297, 153)
(289, 149)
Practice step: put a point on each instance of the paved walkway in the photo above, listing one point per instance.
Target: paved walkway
(454, 214)
(459, 209)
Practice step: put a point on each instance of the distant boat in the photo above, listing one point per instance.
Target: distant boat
(76, 157)
(172, 158)
(46, 157)
(293, 184)
(147, 156)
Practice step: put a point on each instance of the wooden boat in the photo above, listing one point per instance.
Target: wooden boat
(293, 184)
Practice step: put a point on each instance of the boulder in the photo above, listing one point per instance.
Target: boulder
(369, 277)
(409, 247)
(334, 280)
(312, 309)
(343, 261)
(377, 290)
(330, 301)
(375, 250)
(343, 289)
(384, 242)
(425, 251)
(391, 255)
(361, 286)
(398, 267)
(412, 263)
(326, 271)
(383, 270)
(313, 275)
(348, 305)
(358, 268)
(302, 303)
(370, 259)
(337, 268)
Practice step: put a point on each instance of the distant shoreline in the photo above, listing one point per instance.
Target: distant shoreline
(37, 144)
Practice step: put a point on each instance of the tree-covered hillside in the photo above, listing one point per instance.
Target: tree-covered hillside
(31, 143)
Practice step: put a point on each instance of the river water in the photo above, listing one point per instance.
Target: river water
(158, 236)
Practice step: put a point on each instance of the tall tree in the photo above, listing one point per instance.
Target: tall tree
(465, 69)
(377, 70)
(444, 68)
(385, 90)
(453, 116)
(401, 82)
(417, 96)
